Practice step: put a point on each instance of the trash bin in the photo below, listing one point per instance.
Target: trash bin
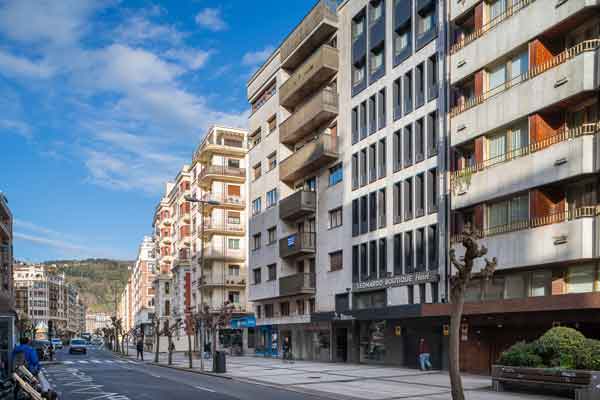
(219, 363)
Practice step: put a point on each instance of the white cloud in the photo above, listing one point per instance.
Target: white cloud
(211, 19)
(60, 244)
(18, 127)
(254, 58)
(32, 227)
(139, 30)
(18, 66)
(192, 59)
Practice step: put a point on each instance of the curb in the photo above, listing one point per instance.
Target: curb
(195, 371)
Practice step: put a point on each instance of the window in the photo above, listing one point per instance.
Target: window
(355, 125)
(419, 85)
(432, 134)
(284, 306)
(335, 218)
(256, 241)
(376, 59)
(256, 172)
(425, 21)
(420, 195)
(432, 192)
(419, 140)
(372, 114)
(272, 123)
(381, 208)
(363, 167)
(432, 247)
(336, 260)
(397, 104)
(397, 150)
(422, 294)
(363, 262)
(233, 297)
(269, 311)
(408, 199)
(382, 258)
(336, 174)
(358, 73)
(300, 307)
(257, 275)
(408, 146)
(375, 12)
(402, 39)
(271, 235)
(256, 206)
(420, 249)
(398, 254)
(432, 78)
(233, 244)
(381, 108)
(514, 286)
(372, 211)
(382, 158)
(373, 162)
(355, 264)
(581, 279)
(496, 8)
(519, 65)
(363, 120)
(508, 211)
(411, 294)
(408, 93)
(397, 199)
(408, 253)
(354, 171)
(266, 95)
(372, 259)
(311, 305)
(233, 218)
(355, 218)
(258, 312)
(271, 161)
(272, 198)
(234, 270)
(272, 272)
(496, 76)
(364, 212)
(540, 283)
(358, 26)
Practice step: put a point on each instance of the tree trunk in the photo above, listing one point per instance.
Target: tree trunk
(157, 329)
(458, 302)
(170, 361)
(190, 350)
(214, 347)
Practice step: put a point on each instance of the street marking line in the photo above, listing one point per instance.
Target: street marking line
(68, 362)
(205, 389)
(96, 361)
(155, 376)
(82, 362)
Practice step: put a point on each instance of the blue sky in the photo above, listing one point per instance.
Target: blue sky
(101, 101)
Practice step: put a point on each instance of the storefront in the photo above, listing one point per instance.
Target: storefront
(267, 343)
(241, 338)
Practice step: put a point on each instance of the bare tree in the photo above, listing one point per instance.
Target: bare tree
(117, 326)
(169, 330)
(458, 285)
(213, 321)
(156, 327)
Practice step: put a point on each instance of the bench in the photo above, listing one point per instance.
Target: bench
(582, 385)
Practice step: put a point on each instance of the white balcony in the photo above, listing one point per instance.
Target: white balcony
(562, 160)
(517, 26)
(263, 291)
(458, 7)
(570, 240)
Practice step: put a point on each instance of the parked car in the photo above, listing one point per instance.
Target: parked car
(57, 343)
(77, 346)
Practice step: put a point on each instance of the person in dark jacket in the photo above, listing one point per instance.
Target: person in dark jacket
(24, 350)
(424, 355)
(140, 349)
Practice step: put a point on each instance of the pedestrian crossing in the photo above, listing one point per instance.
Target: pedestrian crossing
(96, 361)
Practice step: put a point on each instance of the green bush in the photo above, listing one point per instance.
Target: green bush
(560, 346)
(589, 356)
(521, 354)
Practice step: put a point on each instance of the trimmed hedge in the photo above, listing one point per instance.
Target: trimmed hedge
(560, 347)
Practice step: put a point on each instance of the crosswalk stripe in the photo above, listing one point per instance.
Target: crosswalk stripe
(96, 361)
(68, 362)
(121, 361)
(108, 361)
(82, 362)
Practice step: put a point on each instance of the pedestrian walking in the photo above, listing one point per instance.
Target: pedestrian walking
(287, 349)
(140, 349)
(424, 355)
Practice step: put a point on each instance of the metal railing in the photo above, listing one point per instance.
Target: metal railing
(564, 56)
(477, 33)
(549, 219)
(222, 170)
(224, 199)
(563, 134)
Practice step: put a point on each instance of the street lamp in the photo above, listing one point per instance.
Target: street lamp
(193, 199)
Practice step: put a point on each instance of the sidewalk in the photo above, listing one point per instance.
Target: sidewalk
(348, 381)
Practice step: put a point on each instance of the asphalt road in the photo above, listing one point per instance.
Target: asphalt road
(100, 375)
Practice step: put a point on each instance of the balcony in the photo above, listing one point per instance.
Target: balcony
(298, 244)
(522, 21)
(311, 75)
(569, 73)
(224, 200)
(310, 158)
(5, 229)
(297, 205)
(569, 153)
(313, 31)
(220, 228)
(212, 253)
(229, 143)
(221, 173)
(554, 238)
(319, 110)
(229, 281)
(263, 290)
(297, 284)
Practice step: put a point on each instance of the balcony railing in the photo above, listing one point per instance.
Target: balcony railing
(477, 33)
(320, 109)
(562, 135)
(549, 219)
(222, 170)
(208, 280)
(561, 58)
(227, 254)
(225, 200)
(311, 157)
(303, 283)
(214, 227)
(315, 28)
(300, 203)
(296, 244)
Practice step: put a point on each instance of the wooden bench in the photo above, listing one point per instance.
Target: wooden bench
(582, 385)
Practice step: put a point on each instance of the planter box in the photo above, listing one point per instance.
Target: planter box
(579, 384)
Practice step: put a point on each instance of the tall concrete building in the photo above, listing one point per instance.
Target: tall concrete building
(524, 141)
(295, 186)
(162, 227)
(6, 257)
(142, 278)
(219, 222)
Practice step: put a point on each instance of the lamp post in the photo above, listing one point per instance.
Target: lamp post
(193, 199)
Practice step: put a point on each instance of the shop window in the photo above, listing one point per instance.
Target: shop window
(372, 336)
(514, 286)
(581, 279)
(540, 283)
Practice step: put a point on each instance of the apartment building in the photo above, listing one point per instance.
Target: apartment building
(96, 321)
(162, 228)
(219, 225)
(142, 278)
(524, 145)
(295, 189)
(125, 306)
(6, 257)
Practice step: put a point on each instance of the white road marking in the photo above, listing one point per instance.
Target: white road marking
(205, 389)
(68, 362)
(96, 361)
(108, 361)
(82, 362)
(155, 376)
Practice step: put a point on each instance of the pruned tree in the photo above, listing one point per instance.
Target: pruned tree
(25, 326)
(458, 285)
(169, 330)
(117, 326)
(215, 320)
(156, 328)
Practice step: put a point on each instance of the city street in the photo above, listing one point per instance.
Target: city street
(101, 375)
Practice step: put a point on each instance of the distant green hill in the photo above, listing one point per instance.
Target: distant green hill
(96, 280)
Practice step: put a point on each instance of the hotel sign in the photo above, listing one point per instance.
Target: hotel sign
(397, 281)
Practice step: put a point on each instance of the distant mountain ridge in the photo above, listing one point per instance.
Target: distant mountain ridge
(97, 279)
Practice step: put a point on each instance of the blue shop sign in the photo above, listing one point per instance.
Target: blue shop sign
(244, 322)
